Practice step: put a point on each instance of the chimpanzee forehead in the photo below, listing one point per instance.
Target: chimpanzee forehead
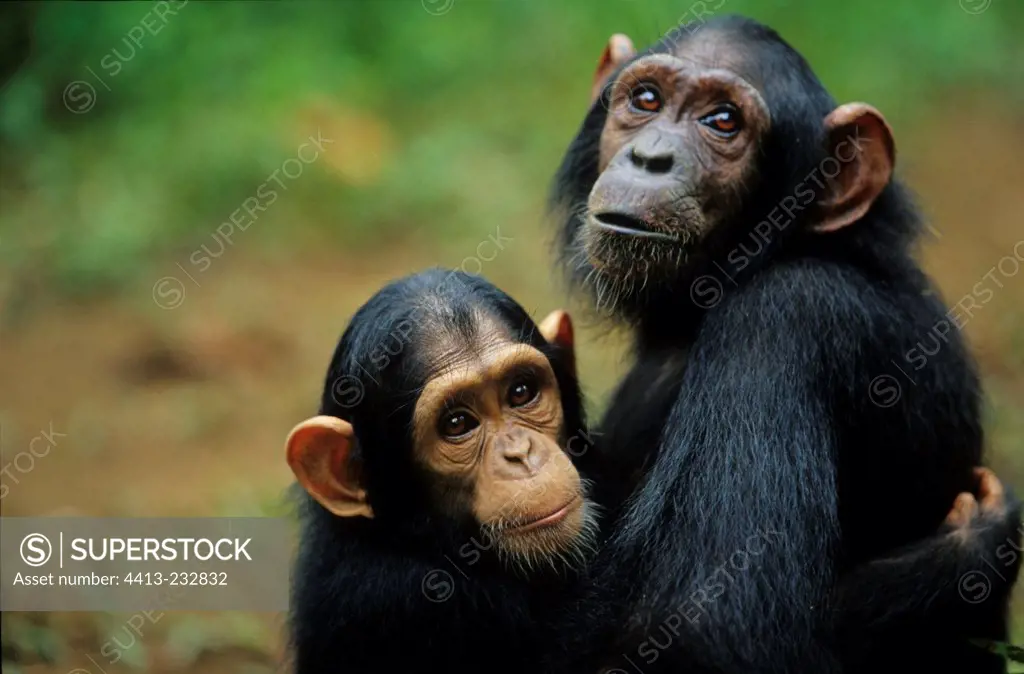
(449, 342)
(719, 47)
(489, 362)
(458, 351)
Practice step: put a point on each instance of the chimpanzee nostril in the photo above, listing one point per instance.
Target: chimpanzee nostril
(652, 163)
(660, 164)
(635, 158)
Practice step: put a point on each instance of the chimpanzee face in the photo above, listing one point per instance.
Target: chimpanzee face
(684, 148)
(678, 148)
(486, 444)
(489, 427)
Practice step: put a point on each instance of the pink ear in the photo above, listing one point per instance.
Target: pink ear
(318, 451)
(618, 51)
(557, 329)
(861, 141)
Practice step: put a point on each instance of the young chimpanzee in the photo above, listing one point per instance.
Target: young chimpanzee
(746, 226)
(442, 514)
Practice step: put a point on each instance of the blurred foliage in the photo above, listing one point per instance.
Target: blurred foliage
(438, 119)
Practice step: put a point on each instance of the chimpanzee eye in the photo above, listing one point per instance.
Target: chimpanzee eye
(645, 98)
(458, 423)
(522, 392)
(723, 121)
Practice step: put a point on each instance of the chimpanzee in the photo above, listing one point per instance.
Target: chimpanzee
(442, 514)
(718, 200)
(443, 522)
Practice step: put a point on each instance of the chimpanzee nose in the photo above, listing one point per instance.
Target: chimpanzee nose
(652, 155)
(517, 449)
(520, 456)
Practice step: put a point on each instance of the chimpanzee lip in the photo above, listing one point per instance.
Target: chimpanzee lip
(549, 519)
(630, 225)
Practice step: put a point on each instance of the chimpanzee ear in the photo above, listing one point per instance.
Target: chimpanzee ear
(319, 452)
(618, 50)
(861, 142)
(556, 328)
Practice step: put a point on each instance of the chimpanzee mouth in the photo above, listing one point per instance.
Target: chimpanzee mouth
(549, 519)
(630, 225)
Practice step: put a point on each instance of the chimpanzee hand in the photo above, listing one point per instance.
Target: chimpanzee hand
(975, 556)
(991, 516)
(966, 506)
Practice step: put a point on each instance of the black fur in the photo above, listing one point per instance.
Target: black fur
(409, 590)
(755, 418)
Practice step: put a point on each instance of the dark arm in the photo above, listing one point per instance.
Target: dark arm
(949, 580)
(737, 520)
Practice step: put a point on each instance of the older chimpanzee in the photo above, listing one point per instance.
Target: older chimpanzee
(718, 200)
(442, 514)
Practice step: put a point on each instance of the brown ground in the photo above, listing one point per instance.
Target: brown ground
(184, 411)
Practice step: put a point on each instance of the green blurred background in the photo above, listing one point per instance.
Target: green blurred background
(175, 361)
